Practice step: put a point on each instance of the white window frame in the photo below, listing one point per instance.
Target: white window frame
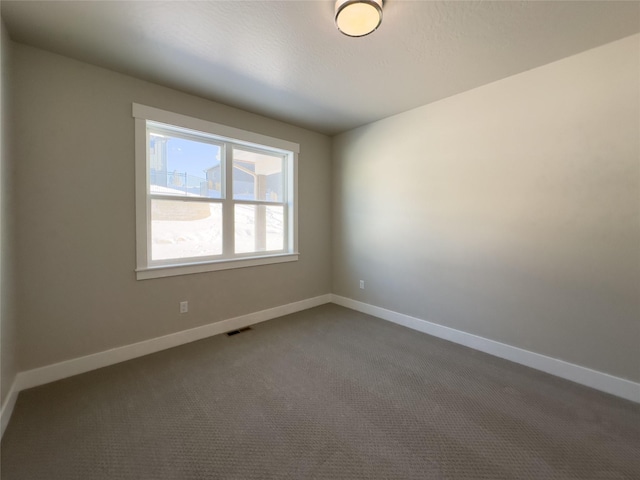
(147, 268)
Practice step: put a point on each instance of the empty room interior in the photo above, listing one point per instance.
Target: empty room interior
(360, 239)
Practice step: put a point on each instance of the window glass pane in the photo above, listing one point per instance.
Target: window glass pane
(178, 166)
(275, 227)
(185, 229)
(259, 228)
(257, 176)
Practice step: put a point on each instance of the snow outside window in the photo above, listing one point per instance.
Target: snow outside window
(210, 197)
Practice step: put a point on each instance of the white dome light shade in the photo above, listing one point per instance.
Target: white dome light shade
(358, 18)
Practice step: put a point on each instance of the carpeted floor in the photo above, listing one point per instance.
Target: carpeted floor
(325, 393)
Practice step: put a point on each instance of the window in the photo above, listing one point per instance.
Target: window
(210, 197)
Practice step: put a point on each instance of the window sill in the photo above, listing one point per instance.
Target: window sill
(173, 270)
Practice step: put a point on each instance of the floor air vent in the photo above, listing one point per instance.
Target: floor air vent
(235, 332)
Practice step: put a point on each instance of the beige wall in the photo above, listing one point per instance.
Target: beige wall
(77, 291)
(8, 317)
(511, 211)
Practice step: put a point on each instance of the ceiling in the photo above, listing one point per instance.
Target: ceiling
(287, 60)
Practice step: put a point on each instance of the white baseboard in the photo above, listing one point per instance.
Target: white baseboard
(75, 366)
(604, 382)
(7, 407)
(50, 373)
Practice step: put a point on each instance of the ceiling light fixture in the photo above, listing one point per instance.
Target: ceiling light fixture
(357, 18)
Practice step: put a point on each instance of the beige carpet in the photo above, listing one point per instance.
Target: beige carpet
(326, 393)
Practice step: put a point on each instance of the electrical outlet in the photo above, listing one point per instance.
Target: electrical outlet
(362, 284)
(184, 307)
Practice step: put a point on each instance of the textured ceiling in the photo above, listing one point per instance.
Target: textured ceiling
(286, 59)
